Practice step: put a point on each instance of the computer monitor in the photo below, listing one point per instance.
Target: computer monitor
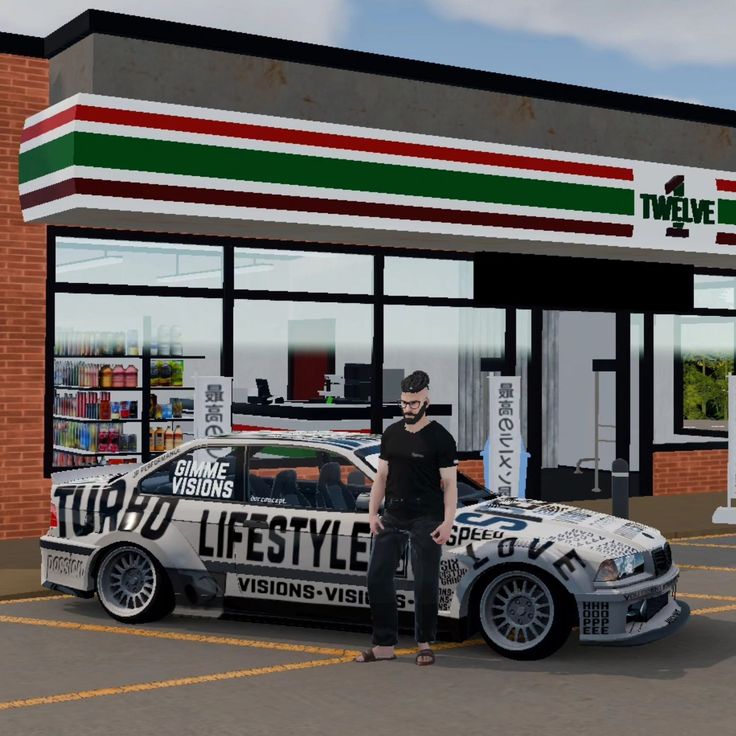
(264, 391)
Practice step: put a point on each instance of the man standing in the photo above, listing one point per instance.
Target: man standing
(417, 475)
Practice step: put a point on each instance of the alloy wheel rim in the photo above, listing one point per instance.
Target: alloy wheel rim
(128, 581)
(517, 611)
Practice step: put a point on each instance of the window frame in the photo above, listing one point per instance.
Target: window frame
(228, 295)
(318, 450)
(679, 427)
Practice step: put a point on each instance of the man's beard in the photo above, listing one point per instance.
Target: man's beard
(409, 419)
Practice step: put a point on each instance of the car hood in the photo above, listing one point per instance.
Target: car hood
(610, 536)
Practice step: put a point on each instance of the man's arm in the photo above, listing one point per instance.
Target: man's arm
(378, 489)
(448, 477)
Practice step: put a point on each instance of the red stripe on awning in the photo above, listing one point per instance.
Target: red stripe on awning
(325, 140)
(164, 193)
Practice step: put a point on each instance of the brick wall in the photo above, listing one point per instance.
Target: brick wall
(24, 493)
(691, 471)
(473, 469)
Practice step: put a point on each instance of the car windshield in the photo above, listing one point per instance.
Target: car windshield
(468, 490)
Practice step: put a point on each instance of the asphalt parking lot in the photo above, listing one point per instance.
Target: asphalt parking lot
(67, 668)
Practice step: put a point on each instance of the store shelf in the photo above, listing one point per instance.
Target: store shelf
(98, 421)
(153, 357)
(97, 388)
(172, 388)
(96, 357)
(75, 451)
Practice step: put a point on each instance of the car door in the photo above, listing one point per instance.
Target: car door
(205, 486)
(313, 559)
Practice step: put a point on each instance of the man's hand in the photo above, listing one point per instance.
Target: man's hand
(442, 533)
(375, 523)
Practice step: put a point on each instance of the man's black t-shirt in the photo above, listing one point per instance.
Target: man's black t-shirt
(414, 462)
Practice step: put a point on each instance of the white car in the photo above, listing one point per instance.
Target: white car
(274, 525)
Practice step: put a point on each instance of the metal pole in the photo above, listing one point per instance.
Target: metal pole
(596, 488)
(620, 488)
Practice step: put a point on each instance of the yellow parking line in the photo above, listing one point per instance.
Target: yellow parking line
(704, 544)
(706, 595)
(706, 567)
(677, 540)
(201, 638)
(159, 684)
(719, 609)
(8, 601)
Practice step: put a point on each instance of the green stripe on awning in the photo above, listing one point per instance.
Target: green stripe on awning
(193, 159)
(727, 211)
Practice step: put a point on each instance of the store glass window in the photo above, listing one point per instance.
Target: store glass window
(302, 477)
(302, 365)
(99, 261)
(429, 277)
(706, 349)
(714, 292)
(448, 343)
(304, 271)
(98, 387)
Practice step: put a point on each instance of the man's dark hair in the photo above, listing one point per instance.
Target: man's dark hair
(415, 382)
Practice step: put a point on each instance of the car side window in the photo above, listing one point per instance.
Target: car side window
(207, 474)
(303, 477)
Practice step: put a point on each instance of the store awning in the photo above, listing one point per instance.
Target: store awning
(102, 161)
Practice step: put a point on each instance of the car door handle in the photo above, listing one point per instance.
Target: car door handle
(256, 523)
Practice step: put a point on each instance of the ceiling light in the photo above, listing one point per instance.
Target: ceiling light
(217, 273)
(89, 263)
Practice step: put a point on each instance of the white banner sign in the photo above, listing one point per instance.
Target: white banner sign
(505, 434)
(213, 406)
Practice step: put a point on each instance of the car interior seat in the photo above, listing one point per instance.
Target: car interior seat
(284, 486)
(331, 485)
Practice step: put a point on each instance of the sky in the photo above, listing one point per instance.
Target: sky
(660, 48)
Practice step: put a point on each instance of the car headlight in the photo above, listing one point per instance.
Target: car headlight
(620, 567)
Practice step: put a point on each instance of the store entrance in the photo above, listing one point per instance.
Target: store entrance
(589, 365)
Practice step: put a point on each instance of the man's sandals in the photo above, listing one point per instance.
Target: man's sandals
(369, 656)
(424, 653)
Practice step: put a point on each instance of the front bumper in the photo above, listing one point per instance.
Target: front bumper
(616, 616)
(66, 566)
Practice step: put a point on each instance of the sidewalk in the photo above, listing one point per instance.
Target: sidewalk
(682, 515)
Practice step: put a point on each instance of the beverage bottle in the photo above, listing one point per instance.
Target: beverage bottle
(168, 439)
(118, 376)
(159, 440)
(164, 340)
(176, 346)
(178, 436)
(131, 377)
(106, 376)
(151, 440)
(133, 342)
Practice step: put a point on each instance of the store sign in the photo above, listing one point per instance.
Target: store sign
(505, 434)
(75, 166)
(212, 406)
(673, 206)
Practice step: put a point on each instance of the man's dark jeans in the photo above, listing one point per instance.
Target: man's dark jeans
(388, 547)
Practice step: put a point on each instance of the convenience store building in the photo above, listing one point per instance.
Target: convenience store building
(292, 211)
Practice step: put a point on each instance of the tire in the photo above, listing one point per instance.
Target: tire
(132, 586)
(524, 614)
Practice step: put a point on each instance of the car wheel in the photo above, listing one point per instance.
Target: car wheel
(132, 586)
(524, 614)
